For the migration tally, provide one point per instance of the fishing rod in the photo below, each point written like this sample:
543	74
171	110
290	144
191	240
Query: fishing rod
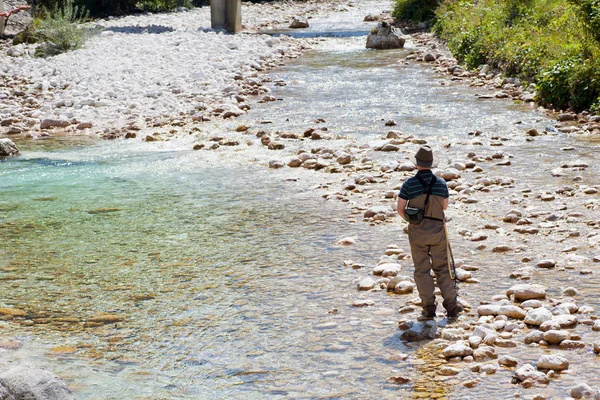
451	264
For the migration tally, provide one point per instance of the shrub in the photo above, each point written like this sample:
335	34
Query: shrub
60	29
415	10
542	41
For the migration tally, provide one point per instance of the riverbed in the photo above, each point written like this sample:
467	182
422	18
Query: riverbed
225	276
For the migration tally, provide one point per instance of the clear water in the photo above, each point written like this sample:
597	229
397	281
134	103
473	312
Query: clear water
225	271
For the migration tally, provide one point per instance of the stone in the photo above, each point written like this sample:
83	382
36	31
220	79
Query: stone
523	292
276	164
534	337
485	353
404	287
582	390
33	383
298	23
53	123
489	369
512	312
387	269
8	148
366	284
555	362
571	345
399	380
385	36
555	337
459	349
528	372
508	361
546	264
448	371
537	315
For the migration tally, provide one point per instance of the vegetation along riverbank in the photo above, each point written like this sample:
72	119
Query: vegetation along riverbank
551	44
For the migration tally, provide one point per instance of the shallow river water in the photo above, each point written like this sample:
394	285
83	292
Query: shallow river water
225	271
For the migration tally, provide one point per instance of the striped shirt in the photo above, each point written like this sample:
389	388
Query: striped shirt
412	187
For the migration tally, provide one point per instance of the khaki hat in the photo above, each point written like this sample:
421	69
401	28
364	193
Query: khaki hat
424	157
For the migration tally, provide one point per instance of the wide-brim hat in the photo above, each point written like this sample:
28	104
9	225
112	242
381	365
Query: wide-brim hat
424	157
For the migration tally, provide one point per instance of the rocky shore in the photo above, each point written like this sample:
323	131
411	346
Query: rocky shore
540	233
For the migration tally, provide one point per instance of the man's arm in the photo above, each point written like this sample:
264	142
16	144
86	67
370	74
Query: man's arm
445	204
401	206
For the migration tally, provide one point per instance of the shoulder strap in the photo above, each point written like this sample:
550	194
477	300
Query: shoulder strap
428	188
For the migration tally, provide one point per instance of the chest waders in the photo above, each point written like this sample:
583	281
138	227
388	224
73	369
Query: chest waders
451	263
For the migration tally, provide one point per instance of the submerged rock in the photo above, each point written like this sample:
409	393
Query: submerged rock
33	383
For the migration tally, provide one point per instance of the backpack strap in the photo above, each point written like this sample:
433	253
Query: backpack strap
428	189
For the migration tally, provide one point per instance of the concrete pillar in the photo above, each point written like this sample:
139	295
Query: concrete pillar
2	19
225	14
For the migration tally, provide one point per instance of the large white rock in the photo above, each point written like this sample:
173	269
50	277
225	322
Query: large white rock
385	37
537	316
387	269
555	362
522	292
366	284
583	390
511	311
33	383
458	349
555	337
527	371
8	148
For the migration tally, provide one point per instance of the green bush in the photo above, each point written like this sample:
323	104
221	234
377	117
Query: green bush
60	29
163	5
548	42
415	10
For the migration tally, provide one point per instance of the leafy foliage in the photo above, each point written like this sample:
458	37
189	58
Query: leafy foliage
60	29
415	10
549	42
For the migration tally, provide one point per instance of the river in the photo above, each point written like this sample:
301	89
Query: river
226	271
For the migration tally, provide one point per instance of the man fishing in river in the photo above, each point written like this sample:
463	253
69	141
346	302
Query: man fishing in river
421	202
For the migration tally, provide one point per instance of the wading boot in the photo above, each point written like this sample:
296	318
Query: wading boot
452	314
427	314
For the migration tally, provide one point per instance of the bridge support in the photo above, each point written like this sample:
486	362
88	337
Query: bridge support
225	15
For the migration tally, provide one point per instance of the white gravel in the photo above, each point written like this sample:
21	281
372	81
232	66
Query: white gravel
146	67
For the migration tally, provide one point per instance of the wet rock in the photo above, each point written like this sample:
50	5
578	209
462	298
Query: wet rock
512	311
347	241
8	148
420	331
363	303
546	264
366	284
458	349
399	380
379	210
596	346
528	372
34	384
507	361
571	345
53	123
555	337
485	353
537	315
583	390
276	164
523	292
387	269
534	337
554	362
404	287
448	371
294	163
488	369
298	23
565	320
385	36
